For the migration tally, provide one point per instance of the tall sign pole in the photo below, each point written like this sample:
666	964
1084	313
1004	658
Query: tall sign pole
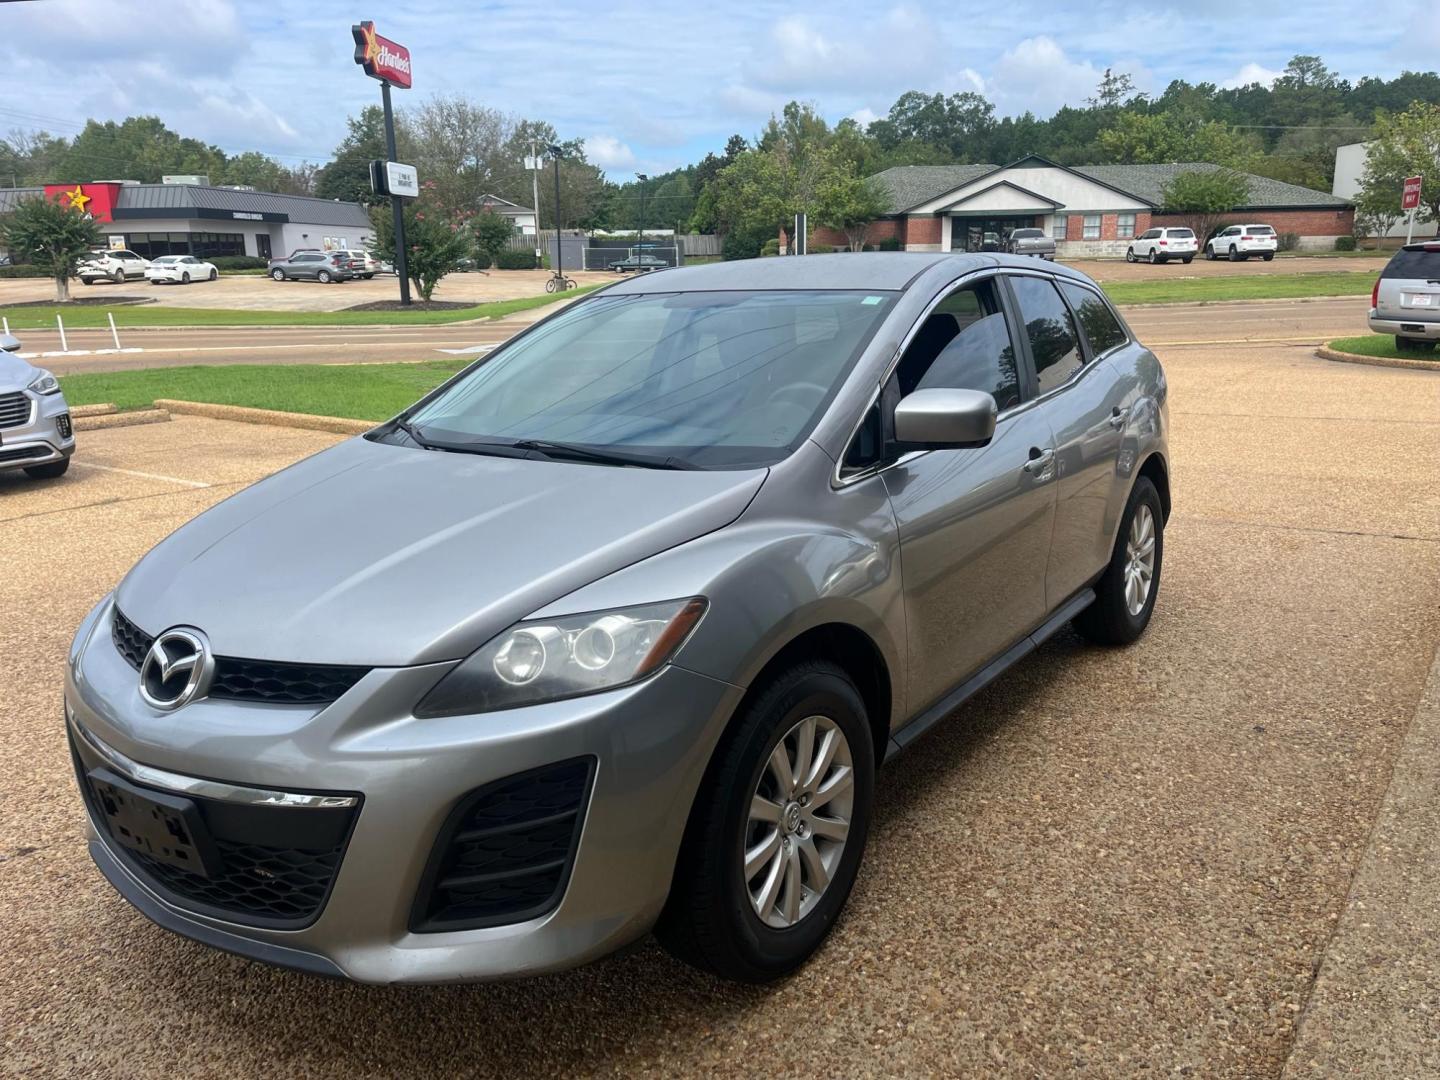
389	63
1410	200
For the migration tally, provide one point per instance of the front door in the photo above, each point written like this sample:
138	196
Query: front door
262	246
974	524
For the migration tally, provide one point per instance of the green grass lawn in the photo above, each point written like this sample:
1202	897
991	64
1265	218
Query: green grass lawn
32	318
357	391
1380	345
1248	287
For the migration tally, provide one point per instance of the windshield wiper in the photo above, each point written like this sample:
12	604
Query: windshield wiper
578	452
409	429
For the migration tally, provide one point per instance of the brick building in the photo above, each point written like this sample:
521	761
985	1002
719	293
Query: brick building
1089	209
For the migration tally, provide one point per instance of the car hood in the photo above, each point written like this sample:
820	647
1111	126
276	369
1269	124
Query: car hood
15	374
383	555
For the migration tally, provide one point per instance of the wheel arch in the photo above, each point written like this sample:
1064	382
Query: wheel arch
1158	473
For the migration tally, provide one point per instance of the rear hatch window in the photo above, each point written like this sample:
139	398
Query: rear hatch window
1421	264
1180	234
1260	230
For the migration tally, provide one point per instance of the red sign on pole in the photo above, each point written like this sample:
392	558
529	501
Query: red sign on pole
381	58
1410	198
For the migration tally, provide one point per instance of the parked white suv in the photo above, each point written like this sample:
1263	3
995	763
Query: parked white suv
1162	245
1239	242
114	266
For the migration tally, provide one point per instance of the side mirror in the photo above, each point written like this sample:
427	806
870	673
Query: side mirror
945	419
9	343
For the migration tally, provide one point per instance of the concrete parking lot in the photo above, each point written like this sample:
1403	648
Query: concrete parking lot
1112	863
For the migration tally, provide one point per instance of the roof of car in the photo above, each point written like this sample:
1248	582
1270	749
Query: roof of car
878	270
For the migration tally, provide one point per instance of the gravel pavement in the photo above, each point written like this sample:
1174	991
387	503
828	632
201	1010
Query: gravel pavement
1111	863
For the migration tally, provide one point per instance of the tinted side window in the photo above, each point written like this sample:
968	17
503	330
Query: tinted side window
964	345
1051	331
1098	322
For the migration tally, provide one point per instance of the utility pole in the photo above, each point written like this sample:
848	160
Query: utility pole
533	164
556	153
640	243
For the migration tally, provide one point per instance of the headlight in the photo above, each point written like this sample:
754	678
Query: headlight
44	383
549	659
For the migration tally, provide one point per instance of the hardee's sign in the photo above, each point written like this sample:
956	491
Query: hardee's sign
93	200
381	58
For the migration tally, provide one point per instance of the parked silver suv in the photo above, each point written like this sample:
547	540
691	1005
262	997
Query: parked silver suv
35	429
613	629
1405	300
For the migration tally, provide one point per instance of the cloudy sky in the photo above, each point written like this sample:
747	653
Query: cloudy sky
649	84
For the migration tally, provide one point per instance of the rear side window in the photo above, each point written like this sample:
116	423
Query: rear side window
1421	263
1053	341
1101	328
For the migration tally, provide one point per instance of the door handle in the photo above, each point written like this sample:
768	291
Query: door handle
1040	460
1118	416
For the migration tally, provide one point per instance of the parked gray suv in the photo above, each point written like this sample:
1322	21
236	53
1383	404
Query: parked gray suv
321	266
1406	298
612	630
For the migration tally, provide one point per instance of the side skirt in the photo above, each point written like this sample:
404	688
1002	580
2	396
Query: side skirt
921	724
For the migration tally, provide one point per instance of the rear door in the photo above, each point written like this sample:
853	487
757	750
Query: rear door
974	524
1410	285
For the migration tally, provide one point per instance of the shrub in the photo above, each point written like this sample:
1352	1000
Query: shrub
821	249
890	243
1344	243
739	245
29	270
237	262
1287	241
770	247
515	260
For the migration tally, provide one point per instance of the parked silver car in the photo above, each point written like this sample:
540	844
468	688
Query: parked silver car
35	429
321	266
612	630
1405	300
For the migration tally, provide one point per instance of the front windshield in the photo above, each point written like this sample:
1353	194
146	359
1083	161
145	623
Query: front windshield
713	379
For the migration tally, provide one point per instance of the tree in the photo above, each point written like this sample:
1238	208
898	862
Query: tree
54	234
347	176
492	233
1405	144
1114	88
435	241
461	147
850	203
1202	198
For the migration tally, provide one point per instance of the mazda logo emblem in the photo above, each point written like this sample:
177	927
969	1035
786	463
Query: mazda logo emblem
177	670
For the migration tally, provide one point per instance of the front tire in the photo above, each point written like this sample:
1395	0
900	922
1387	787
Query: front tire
1234	255
277	275
777	831
185	278
1125	594
1209	253
119	277
214	274
51	471
1130	254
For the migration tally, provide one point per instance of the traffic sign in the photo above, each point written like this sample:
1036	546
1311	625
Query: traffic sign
1410	197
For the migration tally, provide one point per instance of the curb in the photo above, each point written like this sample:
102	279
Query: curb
1327	353
92	410
104	421
336	425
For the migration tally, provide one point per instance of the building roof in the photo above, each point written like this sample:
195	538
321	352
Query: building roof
909	186
504	206
184	198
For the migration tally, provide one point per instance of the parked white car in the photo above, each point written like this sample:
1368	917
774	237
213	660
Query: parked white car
1162	245
114	266
1239	242
179	269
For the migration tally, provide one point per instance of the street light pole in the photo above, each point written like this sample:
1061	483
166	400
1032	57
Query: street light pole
640	243
534	166
555	154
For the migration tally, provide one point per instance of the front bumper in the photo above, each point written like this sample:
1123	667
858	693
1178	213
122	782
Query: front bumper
650	744
1421	329
43	438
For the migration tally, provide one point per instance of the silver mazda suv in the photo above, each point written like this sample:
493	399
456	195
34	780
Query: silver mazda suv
611	632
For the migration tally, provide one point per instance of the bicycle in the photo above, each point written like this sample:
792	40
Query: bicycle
559	283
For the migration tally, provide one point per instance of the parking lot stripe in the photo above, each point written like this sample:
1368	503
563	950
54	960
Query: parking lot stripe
143	475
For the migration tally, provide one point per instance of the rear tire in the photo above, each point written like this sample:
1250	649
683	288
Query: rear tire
1268	256
1413	345
50	471
1115	618
323	277
712	919
1187	259
1154	258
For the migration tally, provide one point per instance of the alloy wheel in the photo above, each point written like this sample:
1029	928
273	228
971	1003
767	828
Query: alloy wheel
1139	559
799	821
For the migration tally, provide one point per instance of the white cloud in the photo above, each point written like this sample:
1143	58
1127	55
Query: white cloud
1251	73
1037	75
803	56
608	152
864	117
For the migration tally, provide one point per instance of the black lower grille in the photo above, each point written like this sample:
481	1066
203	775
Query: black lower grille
24	453
505	852
62	425
251	680
276	864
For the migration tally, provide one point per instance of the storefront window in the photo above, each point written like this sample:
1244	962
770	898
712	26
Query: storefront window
203	245
211	245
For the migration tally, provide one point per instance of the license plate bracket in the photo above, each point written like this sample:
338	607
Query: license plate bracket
167	828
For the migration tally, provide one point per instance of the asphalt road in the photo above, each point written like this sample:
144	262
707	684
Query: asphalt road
1111	863
1292	322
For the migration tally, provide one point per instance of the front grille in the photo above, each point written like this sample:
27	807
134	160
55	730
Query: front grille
277	864
62	425
24	453
505	852
251	680
14	409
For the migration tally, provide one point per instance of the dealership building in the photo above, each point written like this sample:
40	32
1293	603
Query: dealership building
1088	209
205	221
